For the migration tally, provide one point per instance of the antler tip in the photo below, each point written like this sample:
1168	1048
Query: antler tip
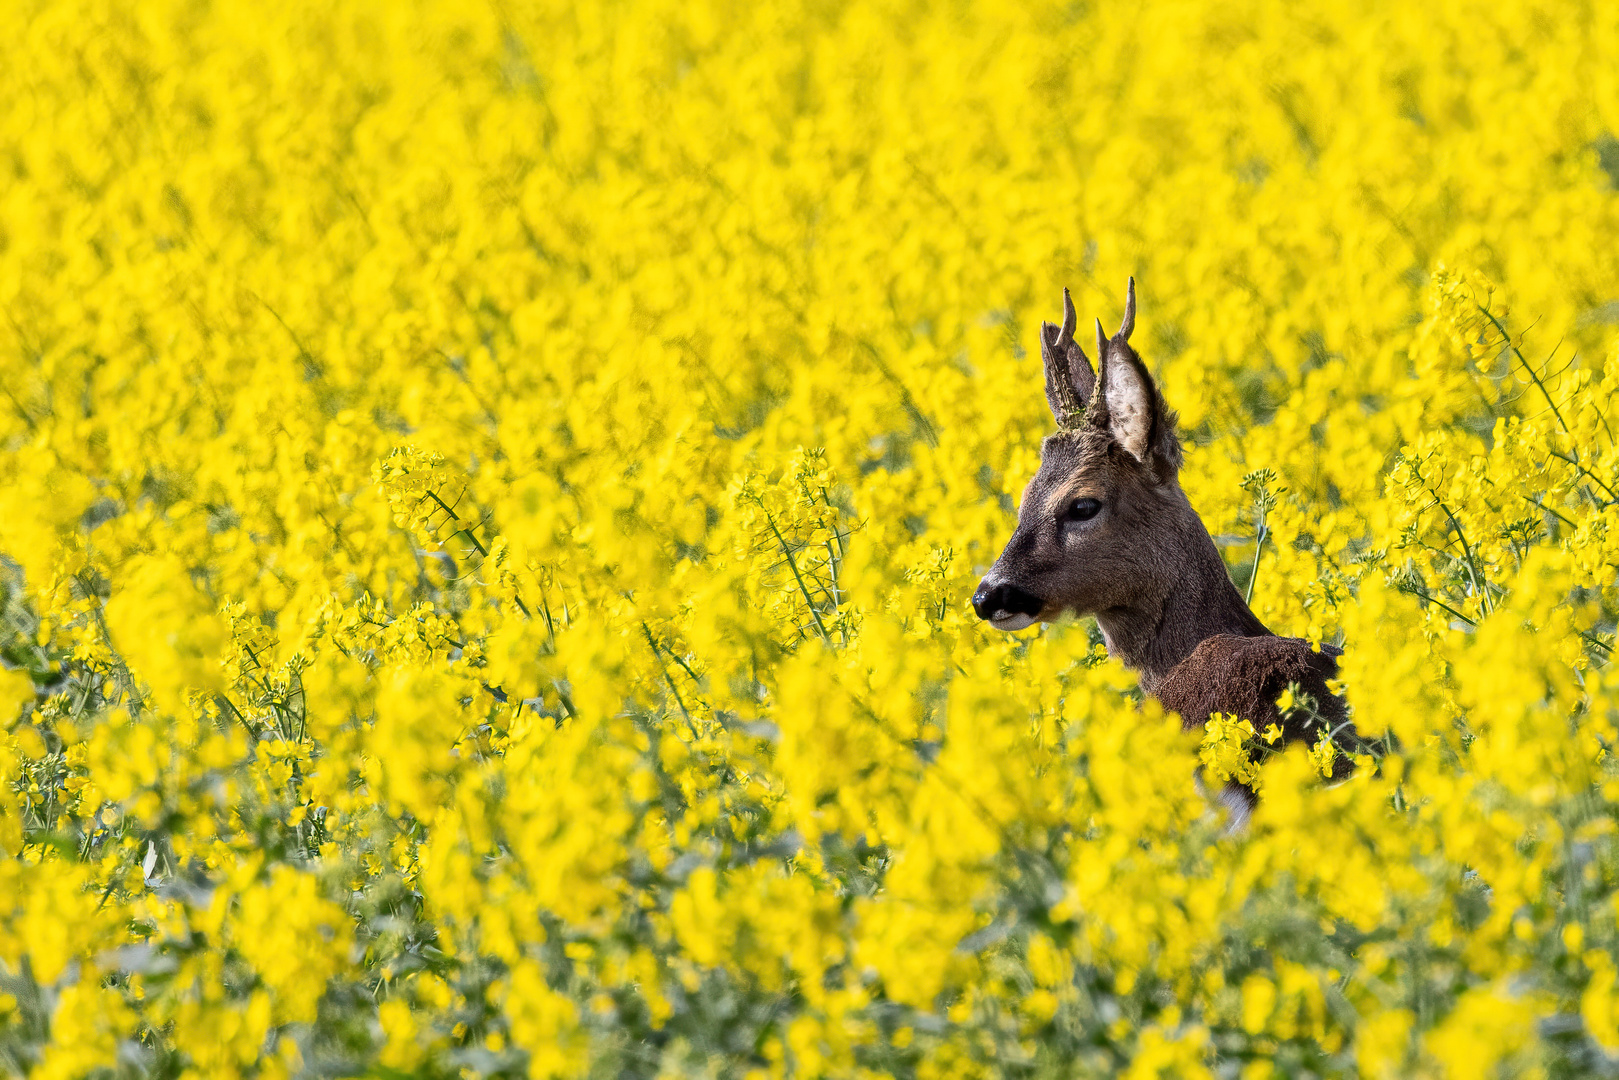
1070	320
1129	323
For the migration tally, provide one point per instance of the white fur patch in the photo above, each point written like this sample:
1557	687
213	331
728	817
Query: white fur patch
1235	800
1129	410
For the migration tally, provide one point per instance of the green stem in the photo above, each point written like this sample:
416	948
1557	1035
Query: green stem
1429	598
466	532
1574	461
1253	575
1516	352
792	564
657	654
1467	549
1549	510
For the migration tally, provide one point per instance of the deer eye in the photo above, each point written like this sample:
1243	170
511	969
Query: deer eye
1082	510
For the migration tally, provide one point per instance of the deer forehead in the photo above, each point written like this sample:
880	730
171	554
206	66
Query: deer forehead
1069	454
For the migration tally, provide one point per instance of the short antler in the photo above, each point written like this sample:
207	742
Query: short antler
1070	321
1129	322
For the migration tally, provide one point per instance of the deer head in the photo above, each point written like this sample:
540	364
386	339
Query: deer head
1104	528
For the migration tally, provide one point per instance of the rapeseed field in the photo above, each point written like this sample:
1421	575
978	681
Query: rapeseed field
490	492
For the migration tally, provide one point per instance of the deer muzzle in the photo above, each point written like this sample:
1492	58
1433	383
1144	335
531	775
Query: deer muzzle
1005	606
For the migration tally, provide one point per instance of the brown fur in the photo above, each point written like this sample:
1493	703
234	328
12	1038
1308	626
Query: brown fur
1243	676
1142	562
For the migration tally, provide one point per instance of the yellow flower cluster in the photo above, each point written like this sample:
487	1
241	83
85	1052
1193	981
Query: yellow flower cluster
489	496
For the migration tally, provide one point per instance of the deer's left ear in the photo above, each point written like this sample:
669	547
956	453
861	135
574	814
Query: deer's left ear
1070	381
1133	410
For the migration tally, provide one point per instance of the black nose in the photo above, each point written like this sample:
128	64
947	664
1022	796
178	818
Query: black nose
991	599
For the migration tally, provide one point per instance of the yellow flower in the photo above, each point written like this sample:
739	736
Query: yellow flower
1226	752
1323	754
490	496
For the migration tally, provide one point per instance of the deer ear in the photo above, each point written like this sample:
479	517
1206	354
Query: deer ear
1132	400
1070	380
1133	410
1079	365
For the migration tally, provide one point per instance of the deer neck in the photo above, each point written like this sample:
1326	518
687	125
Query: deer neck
1194	601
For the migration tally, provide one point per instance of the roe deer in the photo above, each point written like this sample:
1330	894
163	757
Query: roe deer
1105	530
